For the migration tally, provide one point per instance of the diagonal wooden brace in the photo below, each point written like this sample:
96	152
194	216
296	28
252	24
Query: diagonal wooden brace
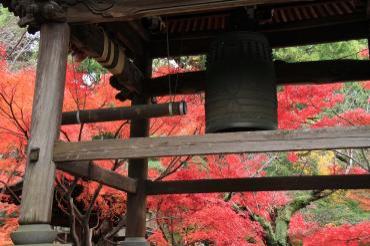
89	170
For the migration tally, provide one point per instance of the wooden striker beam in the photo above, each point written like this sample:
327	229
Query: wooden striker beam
220	143
124	113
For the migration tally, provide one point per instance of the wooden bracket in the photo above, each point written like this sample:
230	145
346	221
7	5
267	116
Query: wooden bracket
33	13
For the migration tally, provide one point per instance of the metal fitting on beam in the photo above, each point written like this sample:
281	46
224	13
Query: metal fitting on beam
34	155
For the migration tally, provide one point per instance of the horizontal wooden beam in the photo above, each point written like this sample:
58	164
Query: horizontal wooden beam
124	113
315	72
184	83
259	184
134	9
95	173
322	72
220	143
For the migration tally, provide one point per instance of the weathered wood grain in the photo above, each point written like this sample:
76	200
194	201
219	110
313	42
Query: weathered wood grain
37	195
259	184
221	143
138	169
134	9
317	72
93	172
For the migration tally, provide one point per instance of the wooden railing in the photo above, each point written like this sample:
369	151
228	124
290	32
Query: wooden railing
223	143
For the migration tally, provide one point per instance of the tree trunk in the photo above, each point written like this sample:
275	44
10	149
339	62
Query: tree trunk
276	233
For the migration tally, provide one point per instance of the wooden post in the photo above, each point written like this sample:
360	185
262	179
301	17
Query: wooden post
136	203
38	188
368	26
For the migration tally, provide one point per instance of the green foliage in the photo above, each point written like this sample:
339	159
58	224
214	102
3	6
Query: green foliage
5	17
282	167
93	69
21	47
337	211
329	51
356	97
103	136
183	62
155	164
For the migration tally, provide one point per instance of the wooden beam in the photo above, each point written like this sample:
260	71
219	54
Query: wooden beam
322	72
368	25
317	35
94	42
134	9
316	72
46	116
259	184
185	83
93	172
221	143
124	113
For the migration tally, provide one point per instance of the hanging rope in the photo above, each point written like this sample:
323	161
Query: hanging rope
177	74
168	62
76	90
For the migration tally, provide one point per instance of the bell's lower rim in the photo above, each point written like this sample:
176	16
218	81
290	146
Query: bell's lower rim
241	127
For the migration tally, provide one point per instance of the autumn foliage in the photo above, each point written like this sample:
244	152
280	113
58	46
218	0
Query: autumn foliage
211	219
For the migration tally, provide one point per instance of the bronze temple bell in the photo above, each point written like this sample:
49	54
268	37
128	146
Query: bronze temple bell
241	85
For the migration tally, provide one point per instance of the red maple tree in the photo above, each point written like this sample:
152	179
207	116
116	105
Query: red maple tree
219	219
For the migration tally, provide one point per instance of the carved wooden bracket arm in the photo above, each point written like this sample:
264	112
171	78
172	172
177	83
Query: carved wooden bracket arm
33	13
